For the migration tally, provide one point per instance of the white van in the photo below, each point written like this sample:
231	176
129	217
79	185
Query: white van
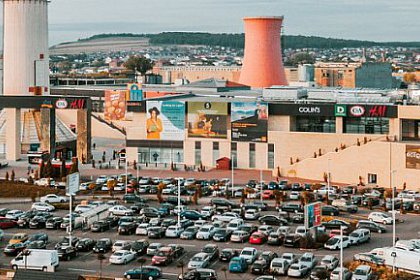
279	266
34	259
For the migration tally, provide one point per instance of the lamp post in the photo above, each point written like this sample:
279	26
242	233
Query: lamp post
232	168
261	184
328	181
393	206
341	252
179	202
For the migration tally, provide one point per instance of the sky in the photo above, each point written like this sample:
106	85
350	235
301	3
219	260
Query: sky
376	20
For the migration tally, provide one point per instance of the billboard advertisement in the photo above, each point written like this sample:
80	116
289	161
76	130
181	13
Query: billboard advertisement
249	121
313	215
165	120
207	119
412	157
115	105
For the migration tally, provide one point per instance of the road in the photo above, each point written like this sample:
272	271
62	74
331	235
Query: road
87	263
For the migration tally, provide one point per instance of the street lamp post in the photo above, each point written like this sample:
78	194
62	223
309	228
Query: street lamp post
393	206
179	202
232	168
328	181
341	252
261	184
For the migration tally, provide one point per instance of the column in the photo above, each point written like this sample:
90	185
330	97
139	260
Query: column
13	138
84	135
47	127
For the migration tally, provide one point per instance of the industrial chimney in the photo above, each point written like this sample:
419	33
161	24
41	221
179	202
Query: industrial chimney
25	68
263	63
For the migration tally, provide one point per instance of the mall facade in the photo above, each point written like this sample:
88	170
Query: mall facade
357	136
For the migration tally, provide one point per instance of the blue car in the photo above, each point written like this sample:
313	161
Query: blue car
238	264
144	273
192	215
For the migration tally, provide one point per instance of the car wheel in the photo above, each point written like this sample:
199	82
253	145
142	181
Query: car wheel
384	222
371	219
62	201
332	214
44	269
125	262
379	231
14	267
47	201
68	258
128	276
150	278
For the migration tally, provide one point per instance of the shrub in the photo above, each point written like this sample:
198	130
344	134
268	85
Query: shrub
307	242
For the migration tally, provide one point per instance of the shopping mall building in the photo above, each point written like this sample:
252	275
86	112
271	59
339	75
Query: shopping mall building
356	135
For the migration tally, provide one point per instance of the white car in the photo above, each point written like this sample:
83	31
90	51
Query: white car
199	260
153	249
334	243
121	245
266	229
119	210
308	260
207	211
330	262
297	270
189	182
234	225
179	209
285	230
206	232
335	274
294	195
14	214
324	190
142	229
122	257
289	257
40	206
1	235
83	208
174	231
301	230
85	186
226	217
380	217
360	235
44	182
53	198
119	187
252	214
362	272
102	179
249	254
200	223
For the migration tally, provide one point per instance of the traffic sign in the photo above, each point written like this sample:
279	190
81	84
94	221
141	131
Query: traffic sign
72	184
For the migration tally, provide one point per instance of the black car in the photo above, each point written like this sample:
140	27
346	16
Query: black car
23	221
37	244
373	201
127	228
53	223
292	240
298	218
211	250
112	221
174	200
136	207
3	211
272	220
291	208
223	202
14	249
275	239
259	267
335	224
65	242
168	222
156	232
100	226
85	244
222	235
330	211
131	198
151	212
177	250
227	254
103	245
37	222
408	205
140	247
66	253
372	226
192	215
319	272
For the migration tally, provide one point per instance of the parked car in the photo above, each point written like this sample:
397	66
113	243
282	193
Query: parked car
238	265
174	231
330	262
67	253
320	272
14	249
297	270
164	256
335	274
362	272
53	223
40	206
239	236
122	257
189	233
212	251
258	238
100	226
369	258
85	244
206	232
292	240
334	243
345	205
272	220
359	236
53	198
330	211
156	232
291	208
249	254
227	254
199	260
199	274
372	226
379	217
119	210
103	245
145	272
221	235
14	214
308	260
279	266
139	247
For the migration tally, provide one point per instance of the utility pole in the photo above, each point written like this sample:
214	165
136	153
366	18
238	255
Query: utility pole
341	253
179	202
261	184
393	207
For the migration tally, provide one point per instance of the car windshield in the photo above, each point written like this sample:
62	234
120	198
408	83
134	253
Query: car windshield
360	272
247	253
197	259
118	254
208	250
332	241
306	259
294	266
190	230
205	230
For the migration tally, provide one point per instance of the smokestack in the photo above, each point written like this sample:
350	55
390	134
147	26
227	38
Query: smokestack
26	56
263	62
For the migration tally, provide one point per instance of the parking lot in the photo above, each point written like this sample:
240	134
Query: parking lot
87	263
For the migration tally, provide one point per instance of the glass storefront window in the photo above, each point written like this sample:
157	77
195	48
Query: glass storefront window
160	155
366	125
410	130
314	124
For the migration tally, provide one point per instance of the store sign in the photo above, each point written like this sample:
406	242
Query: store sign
412	157
357	111
340	111
377	111
61	104
302	110
309	110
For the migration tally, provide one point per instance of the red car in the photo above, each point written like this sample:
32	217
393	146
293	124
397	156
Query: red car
268	194
164	256
6	223
258	238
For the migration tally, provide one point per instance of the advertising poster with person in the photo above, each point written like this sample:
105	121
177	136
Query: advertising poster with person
412	157
165	120
115	105
207	119
249	121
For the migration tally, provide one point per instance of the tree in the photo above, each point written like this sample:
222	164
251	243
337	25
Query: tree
63	170
75	166
139	63
12	177
41	169
49	171
7	176
301	58
409	78
161	186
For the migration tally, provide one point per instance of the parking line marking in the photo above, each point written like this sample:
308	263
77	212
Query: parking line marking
187	245
170	274
82	270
